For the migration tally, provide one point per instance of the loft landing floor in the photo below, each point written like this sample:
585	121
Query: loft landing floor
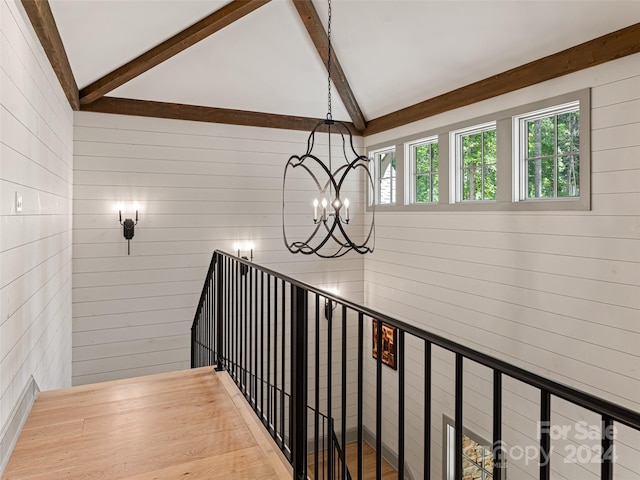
190	424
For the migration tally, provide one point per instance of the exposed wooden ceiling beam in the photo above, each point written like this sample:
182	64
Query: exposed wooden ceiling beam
318	35
178	111
167	49
39	13
603	49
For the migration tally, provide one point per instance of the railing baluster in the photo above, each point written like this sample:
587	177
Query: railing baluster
194	347
317	388
243	328
256	340
606	468
262	359
298	404
275	358
378	400
209	330
497	425
330	454
459	419
282	360
427	410
269	413
344	392
401	403
360	389
248	357
227	314
545	435
237	322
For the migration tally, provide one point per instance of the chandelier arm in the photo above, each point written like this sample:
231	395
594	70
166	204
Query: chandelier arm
300	164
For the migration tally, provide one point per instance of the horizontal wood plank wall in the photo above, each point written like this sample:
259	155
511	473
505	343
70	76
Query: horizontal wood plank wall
556	293
35	244
199	187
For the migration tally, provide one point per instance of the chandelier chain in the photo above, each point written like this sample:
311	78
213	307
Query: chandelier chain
329	62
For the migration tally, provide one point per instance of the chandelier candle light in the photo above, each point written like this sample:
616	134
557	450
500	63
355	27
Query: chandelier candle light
330	216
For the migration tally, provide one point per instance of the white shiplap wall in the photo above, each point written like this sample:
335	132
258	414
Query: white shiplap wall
557	293
199	187
36	134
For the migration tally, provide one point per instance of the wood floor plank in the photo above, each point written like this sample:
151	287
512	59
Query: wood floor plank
163	426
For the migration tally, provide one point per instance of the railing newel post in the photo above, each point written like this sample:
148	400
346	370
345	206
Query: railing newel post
299	360
219	315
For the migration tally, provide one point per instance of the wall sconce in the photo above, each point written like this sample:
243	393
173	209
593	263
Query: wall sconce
128	229
329	306
246	248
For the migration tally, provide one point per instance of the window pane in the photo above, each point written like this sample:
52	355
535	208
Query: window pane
386	162
478	165
423	189
553	166
423	158
435	187
489	182
541	137
568	133
569	176
385	190
466	186
472	186
490	146
541	178
472	150
434	157
470	471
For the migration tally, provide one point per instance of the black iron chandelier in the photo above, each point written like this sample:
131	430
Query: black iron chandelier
330	235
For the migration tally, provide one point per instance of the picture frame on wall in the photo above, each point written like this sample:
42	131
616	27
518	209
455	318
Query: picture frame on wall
389	344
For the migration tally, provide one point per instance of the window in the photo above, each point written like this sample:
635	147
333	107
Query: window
385	170
533	157
475	161
424	171
549	153
477	455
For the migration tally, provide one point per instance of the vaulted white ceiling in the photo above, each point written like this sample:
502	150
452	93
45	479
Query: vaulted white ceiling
394	53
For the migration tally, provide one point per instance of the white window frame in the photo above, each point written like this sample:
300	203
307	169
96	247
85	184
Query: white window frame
520	144
373	155
449	446
412	177
455	161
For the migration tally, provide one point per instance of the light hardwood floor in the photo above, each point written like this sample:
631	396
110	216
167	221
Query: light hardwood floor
368	464
190	424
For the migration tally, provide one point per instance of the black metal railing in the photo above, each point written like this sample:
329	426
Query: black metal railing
265	330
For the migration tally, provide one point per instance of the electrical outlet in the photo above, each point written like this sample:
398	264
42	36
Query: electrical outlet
18	202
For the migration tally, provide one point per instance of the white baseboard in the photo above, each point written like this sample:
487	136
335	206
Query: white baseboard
11	431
